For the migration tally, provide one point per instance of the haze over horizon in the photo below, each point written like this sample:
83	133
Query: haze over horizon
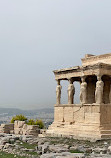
37	37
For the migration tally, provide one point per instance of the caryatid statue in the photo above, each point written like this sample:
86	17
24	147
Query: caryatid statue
83	91
71	92
99	90
58	92
110	94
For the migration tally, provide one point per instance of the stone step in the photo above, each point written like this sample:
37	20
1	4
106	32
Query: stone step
106	136
105	131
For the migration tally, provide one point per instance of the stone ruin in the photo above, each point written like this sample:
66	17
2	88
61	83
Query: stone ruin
91	118
20	127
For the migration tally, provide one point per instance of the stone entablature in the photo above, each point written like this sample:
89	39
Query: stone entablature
93	114
79	71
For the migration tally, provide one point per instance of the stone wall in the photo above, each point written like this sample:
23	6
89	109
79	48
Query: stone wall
6	128
77	113
20	127
88	121
78	121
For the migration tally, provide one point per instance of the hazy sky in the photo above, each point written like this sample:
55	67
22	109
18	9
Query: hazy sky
38	36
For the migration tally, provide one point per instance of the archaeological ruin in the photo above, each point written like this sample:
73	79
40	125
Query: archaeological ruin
20	128
91	118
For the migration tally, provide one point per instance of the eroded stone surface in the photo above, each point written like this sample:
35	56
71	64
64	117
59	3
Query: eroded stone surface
54	147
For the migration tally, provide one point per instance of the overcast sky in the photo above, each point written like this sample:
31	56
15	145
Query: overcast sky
38	36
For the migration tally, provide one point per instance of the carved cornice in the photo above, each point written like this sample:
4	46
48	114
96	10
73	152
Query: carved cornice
83	68
71	69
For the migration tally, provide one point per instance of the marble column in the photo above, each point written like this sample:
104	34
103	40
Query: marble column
71	92
58	92
99	90
83	91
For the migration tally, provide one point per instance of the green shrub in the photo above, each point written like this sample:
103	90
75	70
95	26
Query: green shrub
19	118
40	123
37	122
31	122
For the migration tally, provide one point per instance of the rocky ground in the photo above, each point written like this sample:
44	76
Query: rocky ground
18	146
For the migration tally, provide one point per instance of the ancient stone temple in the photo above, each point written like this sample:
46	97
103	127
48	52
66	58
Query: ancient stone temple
91	118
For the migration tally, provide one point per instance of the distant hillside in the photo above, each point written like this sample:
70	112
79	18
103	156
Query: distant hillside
14	111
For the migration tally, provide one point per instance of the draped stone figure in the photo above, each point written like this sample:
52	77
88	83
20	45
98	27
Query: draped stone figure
110	95
58	93
71	92
99	91
83	93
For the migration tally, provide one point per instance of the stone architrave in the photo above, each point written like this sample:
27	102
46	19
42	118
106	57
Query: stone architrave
71	92
58	93
83	92
99	91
